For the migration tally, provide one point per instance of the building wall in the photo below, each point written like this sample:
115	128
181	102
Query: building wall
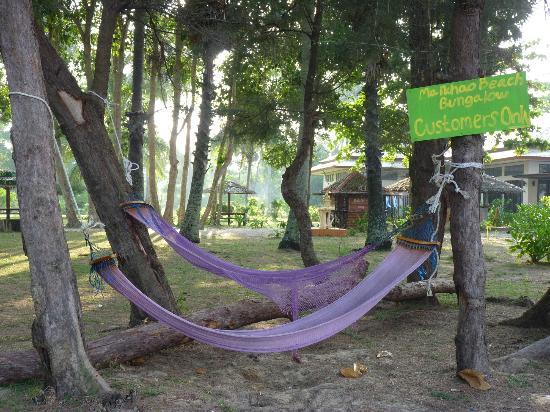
510	167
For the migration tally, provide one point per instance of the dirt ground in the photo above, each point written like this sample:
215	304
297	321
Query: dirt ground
418	376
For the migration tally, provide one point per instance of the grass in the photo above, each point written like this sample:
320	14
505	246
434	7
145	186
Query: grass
195	289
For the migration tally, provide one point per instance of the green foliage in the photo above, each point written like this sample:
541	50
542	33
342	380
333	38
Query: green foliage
497	215
256	216
314	214
361	225
397	221
278	206
530	230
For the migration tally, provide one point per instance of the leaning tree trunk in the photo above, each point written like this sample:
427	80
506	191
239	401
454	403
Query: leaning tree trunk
118	77
291	237
191	220
177	81
56	329
136	116
421	167
185	167
469	265
289	186
537	316
151	130
81	116
225	155
524	358
377	227
71	208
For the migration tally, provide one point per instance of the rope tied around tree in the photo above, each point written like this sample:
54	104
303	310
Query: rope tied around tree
441	180
128	165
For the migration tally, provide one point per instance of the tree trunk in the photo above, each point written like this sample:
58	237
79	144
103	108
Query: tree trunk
421	167
377	227
225	155
71	208
191	220
151	130
185	169
177	80
289	186
136	116
142	340
469	265
537	316
56	328
118	77
291	237
81	116
523	358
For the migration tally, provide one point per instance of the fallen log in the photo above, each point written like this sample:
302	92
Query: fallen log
416	290
139	341
123	346
517	361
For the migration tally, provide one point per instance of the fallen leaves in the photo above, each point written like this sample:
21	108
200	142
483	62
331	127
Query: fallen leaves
474	378
384	354
200	371
357	371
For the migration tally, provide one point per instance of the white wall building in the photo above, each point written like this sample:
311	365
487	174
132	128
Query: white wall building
531	171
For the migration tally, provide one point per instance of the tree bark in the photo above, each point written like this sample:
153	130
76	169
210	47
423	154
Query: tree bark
136	116
469	265
118	77
377	226
520	360
291	237
177	81
142	340
151	130
421	167
81	119
186	155
71	208
191	220
57	327
537	316
289	187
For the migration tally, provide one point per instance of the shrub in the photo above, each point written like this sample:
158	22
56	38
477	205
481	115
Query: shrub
530	230
497	215
361	225
314	214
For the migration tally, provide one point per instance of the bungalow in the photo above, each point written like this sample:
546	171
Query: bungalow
530	170
333	169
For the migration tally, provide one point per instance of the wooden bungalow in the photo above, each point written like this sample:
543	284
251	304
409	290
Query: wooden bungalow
348	199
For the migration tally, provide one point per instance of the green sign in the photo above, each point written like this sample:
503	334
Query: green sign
469	107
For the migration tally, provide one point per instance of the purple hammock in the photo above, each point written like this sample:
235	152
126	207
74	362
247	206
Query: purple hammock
302	332
293	291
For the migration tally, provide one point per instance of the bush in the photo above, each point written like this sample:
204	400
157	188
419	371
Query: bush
314	214
361	225
530	230
497	215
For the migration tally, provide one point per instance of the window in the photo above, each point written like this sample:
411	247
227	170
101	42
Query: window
513	170
494	171
544	168
544	189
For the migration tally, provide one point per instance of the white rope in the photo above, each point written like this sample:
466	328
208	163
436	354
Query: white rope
128	165
85	227
441	180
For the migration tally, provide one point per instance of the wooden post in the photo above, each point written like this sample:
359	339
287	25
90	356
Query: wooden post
228	209
8	207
